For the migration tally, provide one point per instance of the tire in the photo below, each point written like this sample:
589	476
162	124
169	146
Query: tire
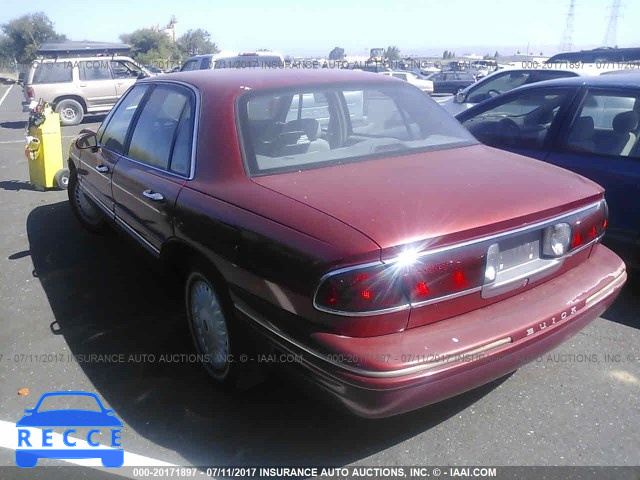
214	332
84	209
70	111
62	179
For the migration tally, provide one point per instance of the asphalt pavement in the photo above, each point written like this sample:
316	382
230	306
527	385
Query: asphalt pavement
67	294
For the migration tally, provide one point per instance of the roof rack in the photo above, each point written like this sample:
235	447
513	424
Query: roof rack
70	48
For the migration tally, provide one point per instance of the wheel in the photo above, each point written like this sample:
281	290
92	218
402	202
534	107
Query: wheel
70	111
85	210
62	179
212	327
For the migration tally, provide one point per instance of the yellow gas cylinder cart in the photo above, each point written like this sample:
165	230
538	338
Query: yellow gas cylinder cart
44	149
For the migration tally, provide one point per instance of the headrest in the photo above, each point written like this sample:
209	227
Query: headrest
309	126
626	122
583	129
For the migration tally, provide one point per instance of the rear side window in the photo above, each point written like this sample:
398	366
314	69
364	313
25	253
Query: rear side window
607	124
114	133
165	121
53	72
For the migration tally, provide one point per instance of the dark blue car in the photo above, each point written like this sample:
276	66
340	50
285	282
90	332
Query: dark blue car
590	125
100	417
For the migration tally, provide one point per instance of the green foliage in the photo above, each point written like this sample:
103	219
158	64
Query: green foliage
196	42
336	54
445	54
151	47
392	53
23	35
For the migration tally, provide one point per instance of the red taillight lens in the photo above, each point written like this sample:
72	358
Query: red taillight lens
365	289
588	226
30	92
401	283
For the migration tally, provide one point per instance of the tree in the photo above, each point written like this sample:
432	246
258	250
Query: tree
445	54
496	55
151	46
336	54
392	53
25	34
196	42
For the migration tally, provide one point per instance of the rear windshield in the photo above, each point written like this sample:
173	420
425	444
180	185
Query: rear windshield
249	61
53	72
314	127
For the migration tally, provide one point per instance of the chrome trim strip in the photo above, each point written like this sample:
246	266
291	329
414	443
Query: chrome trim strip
145	243
446	297
408	305
248	312
606	291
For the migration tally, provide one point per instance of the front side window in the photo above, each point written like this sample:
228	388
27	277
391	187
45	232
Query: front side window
53	72
522	121
607	124
190	65
112	135
124	69
316	127
94	70
497	84
167	109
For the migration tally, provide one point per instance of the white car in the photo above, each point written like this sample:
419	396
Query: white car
414	79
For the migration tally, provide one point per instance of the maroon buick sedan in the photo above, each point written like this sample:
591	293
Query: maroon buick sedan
344	220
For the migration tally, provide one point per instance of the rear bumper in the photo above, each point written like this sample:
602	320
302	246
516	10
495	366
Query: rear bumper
386	375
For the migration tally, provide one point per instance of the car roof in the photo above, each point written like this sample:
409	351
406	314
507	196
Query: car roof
631	80
236	80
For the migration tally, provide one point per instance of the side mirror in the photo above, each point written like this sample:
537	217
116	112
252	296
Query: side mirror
142	74
87	140
459	97
28	411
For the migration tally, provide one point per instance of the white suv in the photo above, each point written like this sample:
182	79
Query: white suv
80	85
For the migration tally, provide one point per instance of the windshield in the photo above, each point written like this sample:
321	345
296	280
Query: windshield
314	127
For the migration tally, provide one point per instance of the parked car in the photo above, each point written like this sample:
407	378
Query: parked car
396	259
414	79
499	82
590	125
450	81
234	60
80	85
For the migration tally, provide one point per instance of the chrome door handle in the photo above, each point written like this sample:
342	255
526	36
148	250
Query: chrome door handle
102	168
156	197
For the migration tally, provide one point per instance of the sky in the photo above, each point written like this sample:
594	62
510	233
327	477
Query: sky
313	28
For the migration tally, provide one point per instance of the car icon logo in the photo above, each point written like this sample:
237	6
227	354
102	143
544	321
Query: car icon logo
32	447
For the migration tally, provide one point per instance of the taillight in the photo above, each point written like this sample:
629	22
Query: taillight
30	92
402	282
588	226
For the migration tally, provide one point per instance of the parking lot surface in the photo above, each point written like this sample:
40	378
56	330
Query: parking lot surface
67	295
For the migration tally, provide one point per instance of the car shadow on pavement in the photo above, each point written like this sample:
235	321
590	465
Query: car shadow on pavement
108	298
21	125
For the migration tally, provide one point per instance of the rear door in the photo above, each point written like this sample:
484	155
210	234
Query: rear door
96	167
602	142
156	164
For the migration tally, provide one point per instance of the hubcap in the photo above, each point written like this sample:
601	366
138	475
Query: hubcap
209	326
87	209
68	113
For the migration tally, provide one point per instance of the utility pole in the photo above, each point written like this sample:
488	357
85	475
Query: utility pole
567	39
611	35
